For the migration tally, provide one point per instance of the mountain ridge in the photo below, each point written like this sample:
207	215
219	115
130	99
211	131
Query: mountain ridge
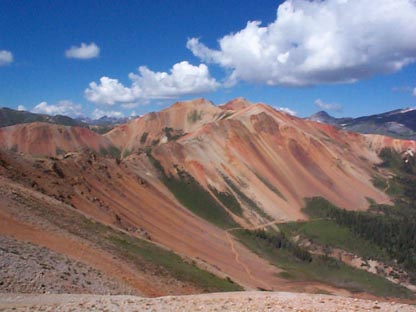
10	117
398	123
199	175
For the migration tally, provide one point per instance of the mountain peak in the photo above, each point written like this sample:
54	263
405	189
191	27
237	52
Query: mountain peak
321	114
236	104
323	117
196	103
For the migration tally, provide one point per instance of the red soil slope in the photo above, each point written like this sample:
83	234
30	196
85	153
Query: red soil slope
49	139
181	117
246	150
277	160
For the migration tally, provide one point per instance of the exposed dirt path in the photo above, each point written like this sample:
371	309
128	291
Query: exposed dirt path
237	255
237	260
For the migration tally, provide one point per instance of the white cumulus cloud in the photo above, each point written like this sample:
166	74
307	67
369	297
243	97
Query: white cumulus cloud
6	57
84	51
286	110
328	106
314	42
66	108
109	91
183	79
21	108
97	114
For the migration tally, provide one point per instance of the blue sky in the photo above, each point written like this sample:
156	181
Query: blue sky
350	57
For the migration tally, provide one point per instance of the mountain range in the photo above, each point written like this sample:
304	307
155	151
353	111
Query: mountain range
400	123
10	117
194	198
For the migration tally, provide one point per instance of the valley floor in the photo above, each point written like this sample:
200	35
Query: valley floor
234	301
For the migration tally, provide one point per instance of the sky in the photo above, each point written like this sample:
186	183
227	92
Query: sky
122	58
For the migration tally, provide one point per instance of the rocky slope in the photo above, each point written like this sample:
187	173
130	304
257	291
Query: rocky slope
248	301
54	272
274	158
186	178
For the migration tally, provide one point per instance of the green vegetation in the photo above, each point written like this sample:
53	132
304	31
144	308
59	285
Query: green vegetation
393	230
225	115
143	254
137	249
143	138
58	171
194	197
244	198
172	134
300	265
110	151
229	201
147	255
194	116
272	242
383	232
168	132
379	182
270	186
127	152
102	129
391	160
329	233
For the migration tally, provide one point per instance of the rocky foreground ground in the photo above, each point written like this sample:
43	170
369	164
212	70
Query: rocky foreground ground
238	301
28	268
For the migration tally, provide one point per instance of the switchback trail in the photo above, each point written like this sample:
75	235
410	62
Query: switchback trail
237	255
245	267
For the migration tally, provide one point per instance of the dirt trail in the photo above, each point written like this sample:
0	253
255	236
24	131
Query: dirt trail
237	255
245	267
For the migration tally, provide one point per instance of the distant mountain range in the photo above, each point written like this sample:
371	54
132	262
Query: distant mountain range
105	120
400	123
10	117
